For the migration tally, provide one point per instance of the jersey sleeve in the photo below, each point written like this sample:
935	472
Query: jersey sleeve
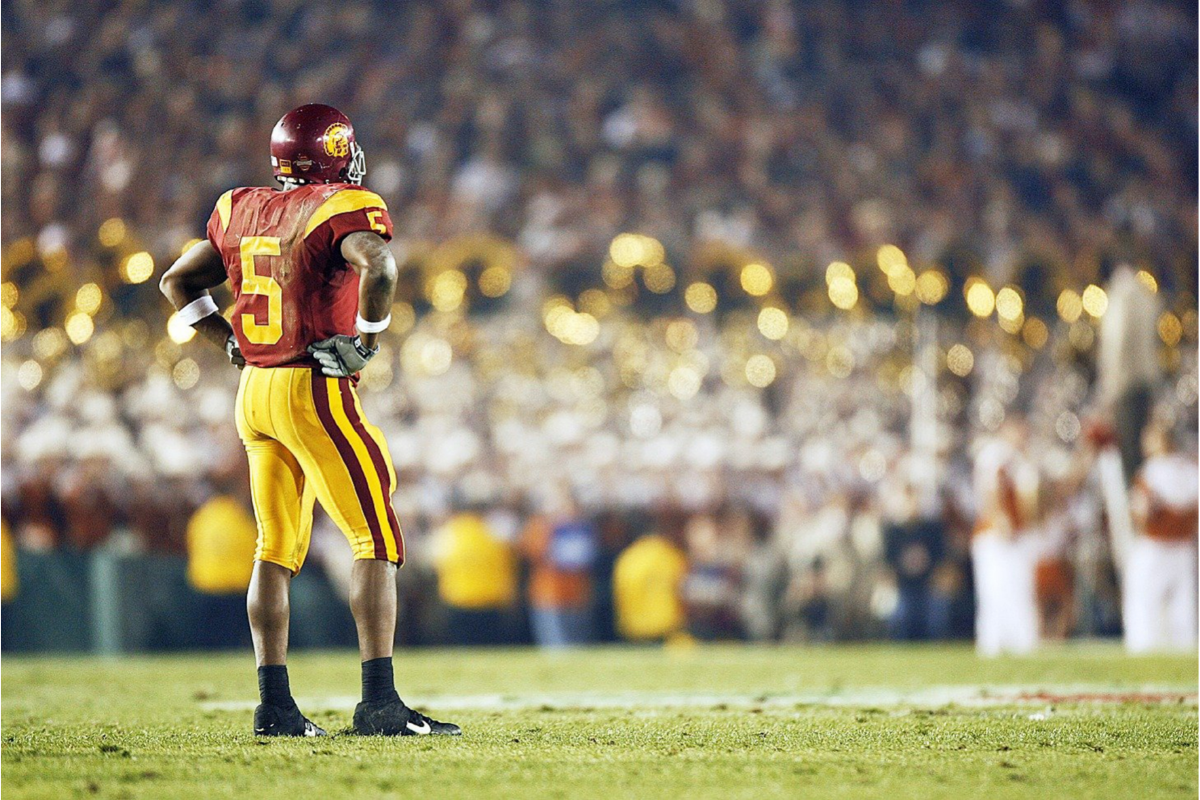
344	212
218	221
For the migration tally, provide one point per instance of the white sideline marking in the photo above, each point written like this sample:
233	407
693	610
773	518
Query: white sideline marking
866	697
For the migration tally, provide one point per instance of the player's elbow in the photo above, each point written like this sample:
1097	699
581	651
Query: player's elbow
381	270
168	284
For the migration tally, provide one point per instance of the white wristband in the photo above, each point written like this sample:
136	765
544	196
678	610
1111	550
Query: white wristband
366	326
197	310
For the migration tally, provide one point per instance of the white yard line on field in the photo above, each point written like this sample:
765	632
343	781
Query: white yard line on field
865	697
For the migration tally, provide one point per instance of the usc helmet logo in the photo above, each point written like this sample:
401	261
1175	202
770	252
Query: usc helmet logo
337	140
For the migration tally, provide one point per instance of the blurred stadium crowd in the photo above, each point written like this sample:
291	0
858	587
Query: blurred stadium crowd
744	282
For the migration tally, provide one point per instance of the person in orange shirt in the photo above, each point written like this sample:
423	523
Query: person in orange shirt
561	550
1159	587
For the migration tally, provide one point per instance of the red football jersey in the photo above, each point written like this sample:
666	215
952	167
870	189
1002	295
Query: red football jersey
282	252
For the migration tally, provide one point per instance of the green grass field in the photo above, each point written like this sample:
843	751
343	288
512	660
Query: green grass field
727	722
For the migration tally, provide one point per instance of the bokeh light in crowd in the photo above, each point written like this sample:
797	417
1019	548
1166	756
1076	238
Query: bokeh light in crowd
185	373
932	286
423	354
1070	305
615	275
1170	329
9	294
681	335
137	268
773	323
1095	301
79	327
1148	280
446	290
632	250
891	260
495	281
1035	333
112	232
49	343
843	292
403	317
659	278
89	298
960	360
981	301
188	245
902	281
760	370
839	270
179	331
684	382
29	375
1081	335
12	324
757	279
1009	305
700	297
839	361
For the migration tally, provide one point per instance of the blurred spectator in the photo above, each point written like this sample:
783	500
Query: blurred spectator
647	584
561	548
477	578
765	579
1003	552
9	582
712	589
1128	361
914	546
1160	576
221	538
613	529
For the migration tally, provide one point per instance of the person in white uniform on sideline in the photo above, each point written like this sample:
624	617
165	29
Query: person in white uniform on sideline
1004	548
1159	591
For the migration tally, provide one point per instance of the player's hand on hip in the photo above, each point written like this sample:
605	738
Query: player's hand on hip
341	356
234	352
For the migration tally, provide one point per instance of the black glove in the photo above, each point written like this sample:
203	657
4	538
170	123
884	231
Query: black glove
341	356
234	352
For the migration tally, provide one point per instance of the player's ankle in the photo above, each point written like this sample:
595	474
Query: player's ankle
273	686
378	681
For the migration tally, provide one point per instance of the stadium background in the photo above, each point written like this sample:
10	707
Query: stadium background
755	275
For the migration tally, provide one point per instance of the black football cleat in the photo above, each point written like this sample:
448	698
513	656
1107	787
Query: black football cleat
393	718
277	721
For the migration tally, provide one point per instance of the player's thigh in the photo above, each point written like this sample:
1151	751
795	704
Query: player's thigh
348	467
283	518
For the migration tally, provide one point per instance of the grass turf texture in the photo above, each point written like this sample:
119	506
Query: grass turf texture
145	727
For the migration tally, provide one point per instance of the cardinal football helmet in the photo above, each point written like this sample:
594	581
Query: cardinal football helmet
315	144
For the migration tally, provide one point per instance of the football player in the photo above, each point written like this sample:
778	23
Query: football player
312	281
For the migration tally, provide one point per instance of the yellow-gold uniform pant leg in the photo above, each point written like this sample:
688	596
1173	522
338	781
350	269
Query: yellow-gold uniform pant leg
283	497
278	488
344	460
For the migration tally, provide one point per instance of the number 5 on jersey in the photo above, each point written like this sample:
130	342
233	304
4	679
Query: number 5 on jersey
254	283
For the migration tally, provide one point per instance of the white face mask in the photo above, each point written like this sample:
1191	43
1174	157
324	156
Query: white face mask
357	169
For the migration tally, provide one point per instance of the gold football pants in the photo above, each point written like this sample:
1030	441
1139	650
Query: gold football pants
307	439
